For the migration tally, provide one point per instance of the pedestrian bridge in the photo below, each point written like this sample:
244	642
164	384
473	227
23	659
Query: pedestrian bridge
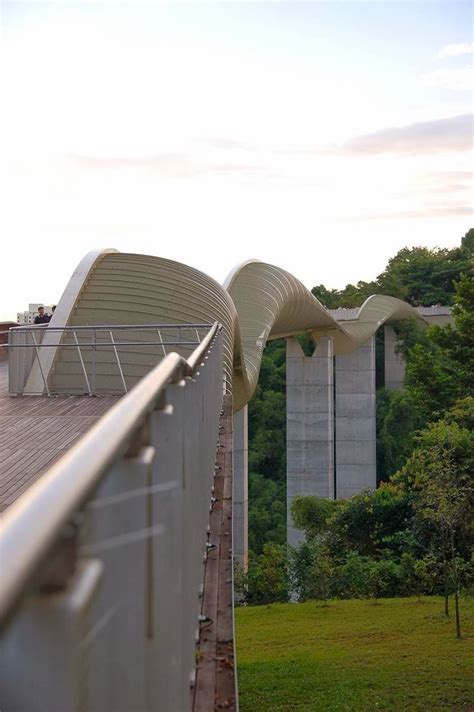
116	479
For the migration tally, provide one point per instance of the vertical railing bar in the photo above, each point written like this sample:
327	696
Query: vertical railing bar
161	342
197	336
33	336
94	358
74	333
118	362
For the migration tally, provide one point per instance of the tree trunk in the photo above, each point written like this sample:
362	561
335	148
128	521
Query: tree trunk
445	576
458	622
456	587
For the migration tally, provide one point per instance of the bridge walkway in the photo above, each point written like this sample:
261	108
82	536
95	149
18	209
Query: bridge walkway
35	431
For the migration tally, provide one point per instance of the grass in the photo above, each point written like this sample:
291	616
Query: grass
354	656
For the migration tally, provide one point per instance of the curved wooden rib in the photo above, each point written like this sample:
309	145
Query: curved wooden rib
257	303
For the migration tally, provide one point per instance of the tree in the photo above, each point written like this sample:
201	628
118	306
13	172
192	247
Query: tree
419	575
384	579
467	242
457	343
310	514
267	512
352	576
418	275
367	522
267	577
440	370
311	571
422	276
441	472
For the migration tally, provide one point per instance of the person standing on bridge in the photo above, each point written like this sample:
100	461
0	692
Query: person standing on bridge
42	318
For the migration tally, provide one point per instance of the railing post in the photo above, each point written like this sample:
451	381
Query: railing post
88	385
118	362
33	336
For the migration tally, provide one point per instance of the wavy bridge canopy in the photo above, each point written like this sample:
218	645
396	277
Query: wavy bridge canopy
257	303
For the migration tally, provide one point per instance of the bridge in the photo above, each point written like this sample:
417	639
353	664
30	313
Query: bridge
123	479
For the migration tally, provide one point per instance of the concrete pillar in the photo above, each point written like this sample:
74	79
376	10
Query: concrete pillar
355	421
310	425
394	363
240	486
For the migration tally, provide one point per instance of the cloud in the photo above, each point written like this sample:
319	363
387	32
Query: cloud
446	181
436	211
460	79
229	144
168	165
443	135
456	49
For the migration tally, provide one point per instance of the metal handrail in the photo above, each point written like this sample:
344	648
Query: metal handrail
106	327
103	343
35	521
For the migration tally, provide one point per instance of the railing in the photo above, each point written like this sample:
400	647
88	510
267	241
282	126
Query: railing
92	359
102	558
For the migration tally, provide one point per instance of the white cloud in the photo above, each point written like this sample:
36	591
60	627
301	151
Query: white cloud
452	134
460	79
456	49
210	155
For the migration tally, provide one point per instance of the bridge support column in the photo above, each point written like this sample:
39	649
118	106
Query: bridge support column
310	425
355	421
240	495
394	363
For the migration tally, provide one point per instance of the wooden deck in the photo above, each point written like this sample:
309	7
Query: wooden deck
35	431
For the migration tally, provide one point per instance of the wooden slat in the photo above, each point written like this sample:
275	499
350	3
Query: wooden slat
35	431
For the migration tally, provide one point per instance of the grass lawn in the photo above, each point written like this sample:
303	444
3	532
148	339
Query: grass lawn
353	655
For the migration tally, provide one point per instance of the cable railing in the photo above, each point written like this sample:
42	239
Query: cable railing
91	360
102	558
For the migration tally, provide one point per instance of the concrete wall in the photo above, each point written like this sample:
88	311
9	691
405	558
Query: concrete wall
355	421
310	425
240	487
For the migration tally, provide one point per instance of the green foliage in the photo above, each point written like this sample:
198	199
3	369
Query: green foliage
443	461
409	333
267	416
384	578
311	514
440	370
267	512
368	522
457	343
393	541
351	577
467	242
417	275
349	297
267	452
420	576
267	578
311	571
422	276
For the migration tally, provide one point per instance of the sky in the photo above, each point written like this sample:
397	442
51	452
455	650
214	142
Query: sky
318	136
